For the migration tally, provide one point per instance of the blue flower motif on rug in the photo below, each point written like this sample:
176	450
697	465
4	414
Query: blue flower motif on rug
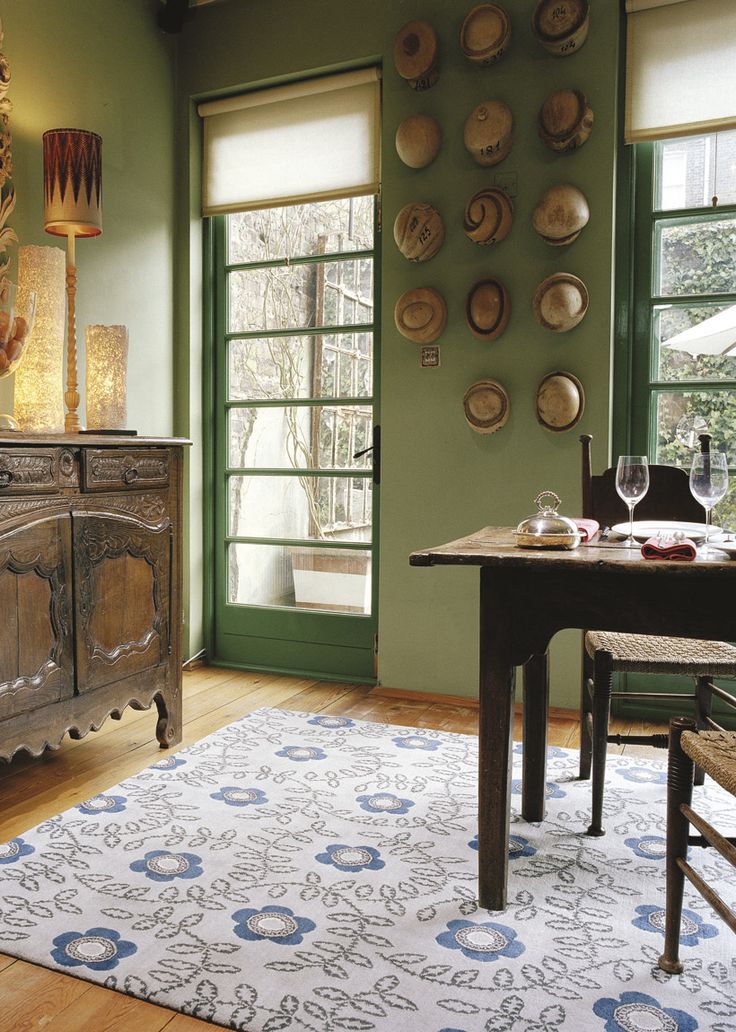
551	789
102	804
643	775
383	802
416	742
486	941
352	858
14	850
553	751
99	949
692	928
235	796
518	846
277	924
636	1012
648	847
168	763
332	722
162	866
302	753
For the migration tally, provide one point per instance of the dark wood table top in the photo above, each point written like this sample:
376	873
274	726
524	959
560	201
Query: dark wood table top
496	546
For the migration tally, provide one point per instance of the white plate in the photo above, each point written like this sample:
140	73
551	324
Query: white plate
729	547
644	529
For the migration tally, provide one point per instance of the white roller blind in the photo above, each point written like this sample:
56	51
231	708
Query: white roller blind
680	68
292	144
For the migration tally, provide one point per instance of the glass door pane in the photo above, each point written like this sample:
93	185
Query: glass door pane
296	403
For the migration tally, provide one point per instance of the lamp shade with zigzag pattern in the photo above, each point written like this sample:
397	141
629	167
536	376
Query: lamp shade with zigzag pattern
72	182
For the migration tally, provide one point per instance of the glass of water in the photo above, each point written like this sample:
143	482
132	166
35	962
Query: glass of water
709	484
632	483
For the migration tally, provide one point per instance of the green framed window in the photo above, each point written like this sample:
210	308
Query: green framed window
683	363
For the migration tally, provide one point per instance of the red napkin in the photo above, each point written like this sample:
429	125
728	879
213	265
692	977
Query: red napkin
667	548
588	528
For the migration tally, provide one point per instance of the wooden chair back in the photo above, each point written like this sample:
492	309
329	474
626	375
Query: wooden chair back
668	497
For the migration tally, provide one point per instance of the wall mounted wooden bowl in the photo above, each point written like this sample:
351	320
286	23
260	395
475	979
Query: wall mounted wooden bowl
419	231
560	302
485	33
560	402
561	26
418	140
486	406
421	315
416	54
489	216
487	309
560	214
488	132
565	120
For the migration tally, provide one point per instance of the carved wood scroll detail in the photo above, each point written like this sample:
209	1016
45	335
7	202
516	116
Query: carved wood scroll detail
23	470
112	470
102	539
23	506
69	468
152	508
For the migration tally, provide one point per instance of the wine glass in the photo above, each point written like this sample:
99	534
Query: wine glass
632	483
708	484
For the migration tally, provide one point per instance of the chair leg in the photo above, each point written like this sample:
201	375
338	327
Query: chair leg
703	707
602	685
586	715
679	791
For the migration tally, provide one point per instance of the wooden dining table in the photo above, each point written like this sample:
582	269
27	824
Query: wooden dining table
526	597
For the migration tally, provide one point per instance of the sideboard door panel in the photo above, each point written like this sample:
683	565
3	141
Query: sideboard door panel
36	652
122	598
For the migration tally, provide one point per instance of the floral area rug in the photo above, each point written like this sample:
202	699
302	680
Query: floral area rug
315	873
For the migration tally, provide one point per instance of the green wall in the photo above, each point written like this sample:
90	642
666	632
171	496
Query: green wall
441	480
103	65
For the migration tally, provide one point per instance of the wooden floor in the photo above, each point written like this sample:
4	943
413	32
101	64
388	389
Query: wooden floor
32	790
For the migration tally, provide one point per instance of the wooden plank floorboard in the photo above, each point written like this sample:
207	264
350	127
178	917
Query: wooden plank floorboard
100	1010
35	789
31	996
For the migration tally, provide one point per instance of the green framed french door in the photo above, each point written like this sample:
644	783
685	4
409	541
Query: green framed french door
296	439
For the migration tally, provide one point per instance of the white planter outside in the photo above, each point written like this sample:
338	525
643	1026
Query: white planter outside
327	579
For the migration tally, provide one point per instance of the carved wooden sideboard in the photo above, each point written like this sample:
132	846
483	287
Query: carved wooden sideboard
90	585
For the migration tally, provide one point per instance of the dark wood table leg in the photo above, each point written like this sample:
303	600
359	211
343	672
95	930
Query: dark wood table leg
534	761
497	679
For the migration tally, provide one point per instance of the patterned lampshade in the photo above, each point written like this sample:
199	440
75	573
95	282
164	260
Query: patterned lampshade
72	182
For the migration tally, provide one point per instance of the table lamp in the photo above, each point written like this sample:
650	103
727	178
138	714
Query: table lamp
39	391
72	182
107	364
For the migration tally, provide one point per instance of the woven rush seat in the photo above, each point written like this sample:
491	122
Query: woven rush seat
640	653
715	752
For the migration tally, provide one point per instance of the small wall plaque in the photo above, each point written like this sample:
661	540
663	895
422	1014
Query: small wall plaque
430	356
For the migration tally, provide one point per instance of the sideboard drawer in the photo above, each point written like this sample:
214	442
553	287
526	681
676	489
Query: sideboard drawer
113	469
29	471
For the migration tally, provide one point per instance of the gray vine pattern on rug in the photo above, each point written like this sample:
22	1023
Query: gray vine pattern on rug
317	873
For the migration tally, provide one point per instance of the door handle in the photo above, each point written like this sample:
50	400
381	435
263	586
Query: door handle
376	449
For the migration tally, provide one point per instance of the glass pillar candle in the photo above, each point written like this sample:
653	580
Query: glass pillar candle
107	367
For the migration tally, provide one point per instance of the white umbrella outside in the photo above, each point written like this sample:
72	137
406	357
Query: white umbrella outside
714	336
